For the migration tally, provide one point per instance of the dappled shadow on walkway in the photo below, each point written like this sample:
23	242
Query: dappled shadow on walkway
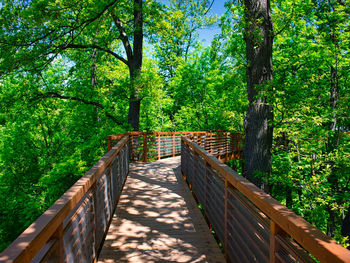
157	220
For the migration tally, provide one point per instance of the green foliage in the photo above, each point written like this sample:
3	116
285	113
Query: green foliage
54	119
183	19
203	94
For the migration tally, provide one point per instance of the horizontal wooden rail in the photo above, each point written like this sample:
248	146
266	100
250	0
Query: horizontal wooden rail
251	224
145	146
72	229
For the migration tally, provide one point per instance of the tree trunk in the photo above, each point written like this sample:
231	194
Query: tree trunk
134	112
258	127
345	229
135	65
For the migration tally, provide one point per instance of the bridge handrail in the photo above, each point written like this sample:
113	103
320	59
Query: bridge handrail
44	237
147	146
283	223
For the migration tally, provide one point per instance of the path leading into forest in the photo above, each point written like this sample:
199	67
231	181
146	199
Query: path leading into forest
157	219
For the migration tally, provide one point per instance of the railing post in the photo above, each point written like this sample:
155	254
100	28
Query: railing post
158	147
219	145
58	235
274	245
145	147
226	143
109	143
173	140
210	142
231	151
238	142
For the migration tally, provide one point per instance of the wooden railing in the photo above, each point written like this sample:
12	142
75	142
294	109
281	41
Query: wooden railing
73	228
252	226
148	146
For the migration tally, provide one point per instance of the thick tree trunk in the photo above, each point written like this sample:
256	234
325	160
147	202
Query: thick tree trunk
135	65
258	127
134	112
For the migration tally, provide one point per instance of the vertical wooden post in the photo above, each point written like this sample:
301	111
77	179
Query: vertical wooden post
226	220
145	147
58	235
238	142
226	143
173	139
158	148
231	151
210	142
109	143
274	246
239	154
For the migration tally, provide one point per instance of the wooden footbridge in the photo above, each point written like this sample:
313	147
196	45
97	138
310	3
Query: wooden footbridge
139	203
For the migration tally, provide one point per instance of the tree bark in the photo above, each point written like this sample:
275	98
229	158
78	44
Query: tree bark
135	65
345	229
258	127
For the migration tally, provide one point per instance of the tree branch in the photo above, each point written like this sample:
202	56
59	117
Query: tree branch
51	94
205	13
93	46
287	24
122	35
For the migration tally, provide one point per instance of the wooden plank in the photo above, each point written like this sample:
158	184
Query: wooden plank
313	240
109	143
157	220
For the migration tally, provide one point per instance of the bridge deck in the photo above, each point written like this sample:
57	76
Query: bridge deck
157	219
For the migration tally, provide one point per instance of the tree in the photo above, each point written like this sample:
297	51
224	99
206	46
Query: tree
332	16
258	123
46	144
35	33
309	172
183	19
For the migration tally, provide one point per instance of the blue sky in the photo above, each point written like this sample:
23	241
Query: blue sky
207	34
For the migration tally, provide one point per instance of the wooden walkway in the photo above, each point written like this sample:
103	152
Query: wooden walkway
157	219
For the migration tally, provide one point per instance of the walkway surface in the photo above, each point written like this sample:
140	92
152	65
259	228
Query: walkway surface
157	219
